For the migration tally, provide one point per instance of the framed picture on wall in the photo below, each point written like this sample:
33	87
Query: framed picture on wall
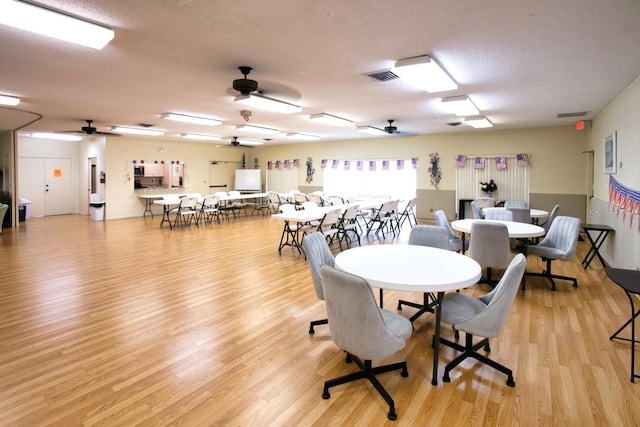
610	153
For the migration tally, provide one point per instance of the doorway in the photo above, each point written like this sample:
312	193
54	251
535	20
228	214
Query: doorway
47	184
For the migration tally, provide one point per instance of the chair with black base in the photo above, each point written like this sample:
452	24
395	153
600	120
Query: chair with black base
364	331
455	242
558	244
318	254
490	246
435	237
476	211
552	216
482	317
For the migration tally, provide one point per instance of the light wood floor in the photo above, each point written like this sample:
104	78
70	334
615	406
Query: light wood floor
121	323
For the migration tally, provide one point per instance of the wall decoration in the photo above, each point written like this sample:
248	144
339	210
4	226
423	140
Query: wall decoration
434	170
488	188
461	160
523	159
310	170
501	162
610	148
624	200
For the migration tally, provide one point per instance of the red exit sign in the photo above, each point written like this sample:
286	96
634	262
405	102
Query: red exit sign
582	124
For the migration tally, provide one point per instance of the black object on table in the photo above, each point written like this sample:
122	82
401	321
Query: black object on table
462	205
629	280
603	232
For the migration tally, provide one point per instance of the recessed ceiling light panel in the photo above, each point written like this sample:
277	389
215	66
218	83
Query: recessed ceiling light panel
9	100
191	119
424	72
137	131
330	120
49	23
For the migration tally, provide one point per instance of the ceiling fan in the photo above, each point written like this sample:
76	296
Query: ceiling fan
245	86
235	143
90	130
393	130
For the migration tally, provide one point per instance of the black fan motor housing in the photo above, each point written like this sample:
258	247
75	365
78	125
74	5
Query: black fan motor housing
245	86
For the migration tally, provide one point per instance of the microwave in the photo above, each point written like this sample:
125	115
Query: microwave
138	170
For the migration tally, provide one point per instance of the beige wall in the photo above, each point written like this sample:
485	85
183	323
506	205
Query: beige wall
122	200
557	162
622	115
558	166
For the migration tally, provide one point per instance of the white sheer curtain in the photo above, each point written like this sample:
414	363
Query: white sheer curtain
395	178
512	181
282	179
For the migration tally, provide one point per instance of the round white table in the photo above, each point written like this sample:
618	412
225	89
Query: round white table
536	214
517	230
412	268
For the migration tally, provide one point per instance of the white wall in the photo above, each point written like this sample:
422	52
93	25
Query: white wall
622	115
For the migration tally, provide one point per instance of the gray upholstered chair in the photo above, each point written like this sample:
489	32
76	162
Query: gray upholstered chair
364	331
318	254
489	245
558	244
498	214
435	237
515	204
455	242
552	215
484	316
476	211
520	214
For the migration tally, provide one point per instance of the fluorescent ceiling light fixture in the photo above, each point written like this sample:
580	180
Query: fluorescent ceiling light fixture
249	141
424	72
478	122
53	24
191	119
137	131
9	100
330	120
265	103
257	129
58	136
371	130
302	135
200	137
460	106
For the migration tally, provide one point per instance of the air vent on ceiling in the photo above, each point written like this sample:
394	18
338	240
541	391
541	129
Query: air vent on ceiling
454	123
576	114
383	76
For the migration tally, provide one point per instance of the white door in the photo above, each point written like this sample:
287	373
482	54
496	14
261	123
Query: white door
221	175
47	184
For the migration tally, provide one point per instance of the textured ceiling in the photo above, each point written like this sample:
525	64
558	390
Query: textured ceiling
522	63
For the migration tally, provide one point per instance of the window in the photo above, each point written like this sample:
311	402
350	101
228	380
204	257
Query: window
371	178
